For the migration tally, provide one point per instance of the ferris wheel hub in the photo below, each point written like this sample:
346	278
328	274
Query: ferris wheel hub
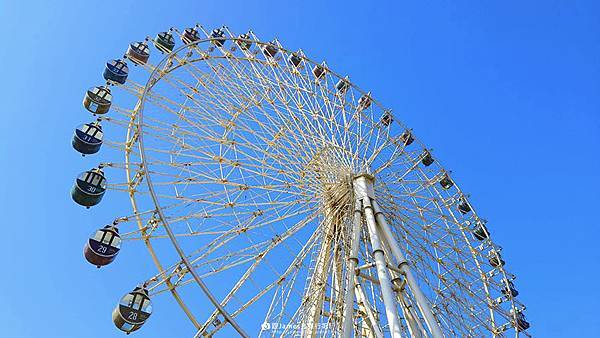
363	186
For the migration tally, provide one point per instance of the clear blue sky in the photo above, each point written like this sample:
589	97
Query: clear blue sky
506	92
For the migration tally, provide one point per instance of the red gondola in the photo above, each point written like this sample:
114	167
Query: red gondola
138	52
190	35
103	246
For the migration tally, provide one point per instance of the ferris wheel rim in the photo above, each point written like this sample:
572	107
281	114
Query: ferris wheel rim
147	242
159	209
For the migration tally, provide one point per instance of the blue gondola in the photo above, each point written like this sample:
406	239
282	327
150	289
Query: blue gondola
218	37
89	188
103	246
116	71
87	138
138	52
190	35
133	310
165	42
97	100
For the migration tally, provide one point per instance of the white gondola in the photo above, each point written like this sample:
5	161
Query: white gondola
133	310
97	100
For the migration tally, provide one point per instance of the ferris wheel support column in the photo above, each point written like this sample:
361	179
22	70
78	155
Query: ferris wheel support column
363	190
348	326
422	301
415	328
315	294
363	302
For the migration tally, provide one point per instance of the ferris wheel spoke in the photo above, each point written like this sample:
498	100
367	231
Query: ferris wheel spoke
275	107
407	219
333	103
259	259
417	219
253	223
400	157
449	272
232	259
260	256
286	107
210	159
214	265
302	92
283	96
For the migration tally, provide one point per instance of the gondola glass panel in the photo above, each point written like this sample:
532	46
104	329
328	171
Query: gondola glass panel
480	231
364	102
427	158
319	71
407	138
294	60
342	85
446	182
386	119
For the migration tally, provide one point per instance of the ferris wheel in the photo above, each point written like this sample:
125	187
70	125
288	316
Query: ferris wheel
270	190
